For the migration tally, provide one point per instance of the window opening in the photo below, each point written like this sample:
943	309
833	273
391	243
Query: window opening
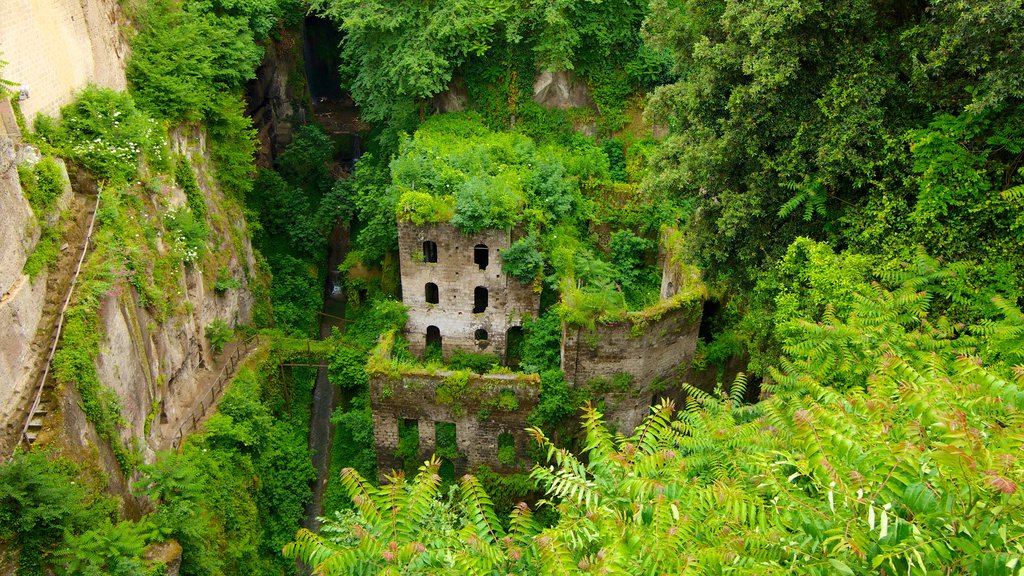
431	293
480	334
481	256
429	251
479	299
409	445
506	449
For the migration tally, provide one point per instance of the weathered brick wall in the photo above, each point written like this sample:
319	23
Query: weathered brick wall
457	275
478	422
56	47
656	353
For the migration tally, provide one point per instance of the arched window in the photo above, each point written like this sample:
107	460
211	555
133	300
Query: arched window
431	293
434	342
481	256
480	334
429	251
479	299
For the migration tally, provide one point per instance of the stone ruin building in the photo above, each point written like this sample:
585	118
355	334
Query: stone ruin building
457	295
459	299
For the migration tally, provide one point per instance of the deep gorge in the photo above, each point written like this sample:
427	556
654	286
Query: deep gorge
631	287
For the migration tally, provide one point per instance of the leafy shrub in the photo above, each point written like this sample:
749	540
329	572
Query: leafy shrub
473	361
523	260
542	339
103	131
485	202
183	59
507	401
218	333
42	184
453	388
225	281
421	208
42	499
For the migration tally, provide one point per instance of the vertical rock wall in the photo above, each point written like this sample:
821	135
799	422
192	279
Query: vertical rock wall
21	298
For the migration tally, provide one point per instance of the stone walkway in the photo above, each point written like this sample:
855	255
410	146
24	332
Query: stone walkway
214	381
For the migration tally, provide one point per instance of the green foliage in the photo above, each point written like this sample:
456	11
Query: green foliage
225	281
46	252
408	450
41	499
104	131
114	549
472	361
235	495
903	135
506	449
183	59
541	343
189	234
42	185
397	55
185	177
557	402
218	333
911	472
630	256
348	368
522	260
353	446
453	388
444	438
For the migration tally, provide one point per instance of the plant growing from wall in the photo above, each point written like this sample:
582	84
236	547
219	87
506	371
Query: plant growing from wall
218	333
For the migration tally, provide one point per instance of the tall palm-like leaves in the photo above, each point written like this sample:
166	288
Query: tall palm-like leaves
887	445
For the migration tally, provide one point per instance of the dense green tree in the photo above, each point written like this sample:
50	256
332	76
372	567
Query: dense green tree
878	125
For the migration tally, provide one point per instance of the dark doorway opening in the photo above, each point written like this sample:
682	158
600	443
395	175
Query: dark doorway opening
479	299
513	346
434	344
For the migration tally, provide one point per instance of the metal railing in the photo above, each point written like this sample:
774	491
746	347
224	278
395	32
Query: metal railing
60	326
198	412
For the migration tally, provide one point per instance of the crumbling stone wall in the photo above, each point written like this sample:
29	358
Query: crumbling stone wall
478	421
643	358
456	276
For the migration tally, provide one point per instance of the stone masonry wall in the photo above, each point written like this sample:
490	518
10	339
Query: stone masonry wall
412	396
656	354
457	275
56	47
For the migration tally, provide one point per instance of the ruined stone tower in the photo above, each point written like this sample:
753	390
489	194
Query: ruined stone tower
457	295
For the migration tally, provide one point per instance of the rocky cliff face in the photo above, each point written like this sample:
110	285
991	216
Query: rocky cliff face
21	298
156	365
